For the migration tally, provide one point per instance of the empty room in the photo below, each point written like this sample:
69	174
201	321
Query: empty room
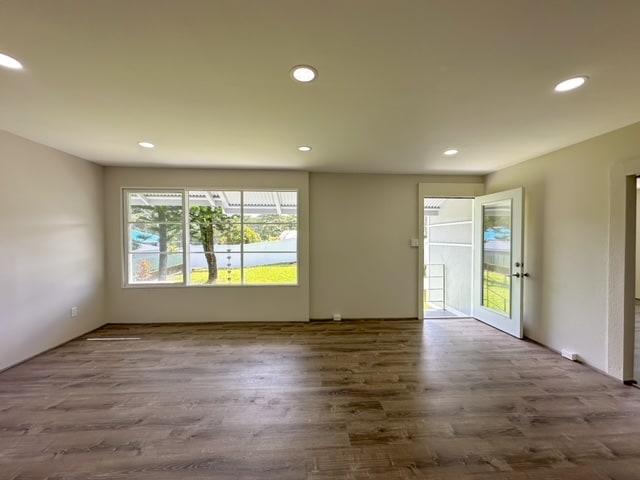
293	239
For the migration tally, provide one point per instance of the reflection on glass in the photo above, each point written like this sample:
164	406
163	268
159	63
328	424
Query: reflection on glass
496	257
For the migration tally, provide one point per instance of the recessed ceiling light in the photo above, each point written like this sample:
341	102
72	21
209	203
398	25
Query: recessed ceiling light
304	73
10	62
304	148
451	152
146	144
571	84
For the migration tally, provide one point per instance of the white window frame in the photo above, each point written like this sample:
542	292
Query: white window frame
186	240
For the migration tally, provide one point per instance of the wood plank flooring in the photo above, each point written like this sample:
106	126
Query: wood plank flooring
375	399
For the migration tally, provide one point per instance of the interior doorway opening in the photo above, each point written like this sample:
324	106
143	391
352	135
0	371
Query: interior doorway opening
448	257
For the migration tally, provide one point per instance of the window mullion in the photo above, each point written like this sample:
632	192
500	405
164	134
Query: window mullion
241	237
186	240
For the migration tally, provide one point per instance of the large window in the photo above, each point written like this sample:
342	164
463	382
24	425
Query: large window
211	237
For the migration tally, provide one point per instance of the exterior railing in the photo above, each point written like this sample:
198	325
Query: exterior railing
434	286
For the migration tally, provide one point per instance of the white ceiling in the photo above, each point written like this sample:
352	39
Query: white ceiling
399	81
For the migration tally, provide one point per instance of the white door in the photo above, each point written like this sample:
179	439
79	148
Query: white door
498	264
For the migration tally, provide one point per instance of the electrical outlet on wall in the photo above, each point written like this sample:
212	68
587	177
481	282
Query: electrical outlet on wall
74	311
337	317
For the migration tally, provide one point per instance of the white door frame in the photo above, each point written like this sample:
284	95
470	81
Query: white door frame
442	190
621	281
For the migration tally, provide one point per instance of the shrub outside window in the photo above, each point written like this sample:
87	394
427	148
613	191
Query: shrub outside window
220	237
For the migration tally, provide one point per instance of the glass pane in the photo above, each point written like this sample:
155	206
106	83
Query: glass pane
212	221
214	269
277	239
155	207
227	201
224	249
496	256
206	236
155	237
155	267
270	207
271	232
270	268
225	271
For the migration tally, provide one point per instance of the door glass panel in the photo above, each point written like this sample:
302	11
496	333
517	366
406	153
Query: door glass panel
496	257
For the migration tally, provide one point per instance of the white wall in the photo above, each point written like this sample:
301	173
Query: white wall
205	303
362	264
567	226
52	248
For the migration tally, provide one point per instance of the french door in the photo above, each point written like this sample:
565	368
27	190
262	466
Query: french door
499	270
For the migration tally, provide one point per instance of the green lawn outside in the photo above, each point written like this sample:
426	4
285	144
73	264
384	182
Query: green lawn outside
263	275
497	291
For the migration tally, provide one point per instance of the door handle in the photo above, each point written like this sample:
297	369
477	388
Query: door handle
517	275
